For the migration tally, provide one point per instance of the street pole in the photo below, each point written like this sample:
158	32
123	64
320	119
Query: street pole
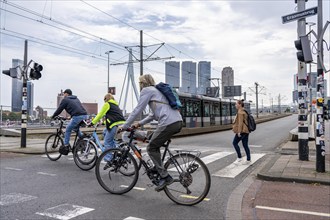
257	110
108	52
302	93
320	129
24	98
141	53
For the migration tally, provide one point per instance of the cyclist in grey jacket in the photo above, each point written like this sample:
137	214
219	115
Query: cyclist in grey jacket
169	123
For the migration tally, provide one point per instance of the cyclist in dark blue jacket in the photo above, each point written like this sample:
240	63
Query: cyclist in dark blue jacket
72	105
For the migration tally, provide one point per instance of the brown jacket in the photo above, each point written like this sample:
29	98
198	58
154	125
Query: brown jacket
240	121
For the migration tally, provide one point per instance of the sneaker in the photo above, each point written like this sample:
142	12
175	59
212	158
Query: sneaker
247	162
238	161
64	149
164	182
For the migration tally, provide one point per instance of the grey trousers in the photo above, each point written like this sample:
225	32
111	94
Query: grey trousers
159	137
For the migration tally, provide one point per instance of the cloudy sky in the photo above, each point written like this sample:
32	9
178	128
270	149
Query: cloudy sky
70	38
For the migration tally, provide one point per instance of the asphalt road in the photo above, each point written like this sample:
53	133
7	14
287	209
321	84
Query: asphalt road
33	187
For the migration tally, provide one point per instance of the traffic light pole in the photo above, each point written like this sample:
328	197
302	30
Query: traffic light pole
302	93
24	99
320	129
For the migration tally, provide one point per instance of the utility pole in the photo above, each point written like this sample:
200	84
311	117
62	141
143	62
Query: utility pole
302	93
108	52
257	109
320	129
141	53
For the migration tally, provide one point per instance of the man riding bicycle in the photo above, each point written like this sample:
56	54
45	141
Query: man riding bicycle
72	105
169	123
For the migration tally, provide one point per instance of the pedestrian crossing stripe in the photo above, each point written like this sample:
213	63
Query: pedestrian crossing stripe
210	158
232	170
65	211
12	198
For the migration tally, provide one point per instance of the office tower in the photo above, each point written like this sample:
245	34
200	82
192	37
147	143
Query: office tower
204	75
172	73
188	70
17	87
227	77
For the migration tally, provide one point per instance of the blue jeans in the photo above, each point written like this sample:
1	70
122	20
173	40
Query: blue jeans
245	139
109	140
73	125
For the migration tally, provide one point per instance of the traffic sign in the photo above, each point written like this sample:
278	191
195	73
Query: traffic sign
299	15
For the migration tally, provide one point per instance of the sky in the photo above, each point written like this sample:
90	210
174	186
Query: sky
70	38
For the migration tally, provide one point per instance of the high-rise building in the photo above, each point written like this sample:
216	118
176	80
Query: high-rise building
188	70
227	78
17	87
204	75
172	73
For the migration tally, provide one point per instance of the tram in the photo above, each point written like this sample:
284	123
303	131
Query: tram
204	111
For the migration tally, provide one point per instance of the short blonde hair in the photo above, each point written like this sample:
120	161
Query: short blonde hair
108	96
146	80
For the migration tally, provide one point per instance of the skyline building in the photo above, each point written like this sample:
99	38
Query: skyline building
204	75
227	79
172	73
188	74
17	89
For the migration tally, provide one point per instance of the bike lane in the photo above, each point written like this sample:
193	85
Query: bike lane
282	200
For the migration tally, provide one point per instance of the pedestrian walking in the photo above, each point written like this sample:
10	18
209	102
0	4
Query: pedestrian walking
241	131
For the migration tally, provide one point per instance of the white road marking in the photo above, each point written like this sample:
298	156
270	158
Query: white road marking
47	174
11	168
210	158
137	188
193	197
12	198
65	211
232	170
133	218
293	211
250	145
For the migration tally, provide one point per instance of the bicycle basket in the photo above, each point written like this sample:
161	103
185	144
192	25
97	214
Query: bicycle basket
125	136
140	135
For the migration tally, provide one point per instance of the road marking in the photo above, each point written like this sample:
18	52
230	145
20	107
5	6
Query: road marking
137	188
250	145
232	170
65	211
12	198
193	197
209	159
47	174
293	211
11	168
133	218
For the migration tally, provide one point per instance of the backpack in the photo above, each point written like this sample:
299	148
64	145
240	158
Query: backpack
170	94
251	124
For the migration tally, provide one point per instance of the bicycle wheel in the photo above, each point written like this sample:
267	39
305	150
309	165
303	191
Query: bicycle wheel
125	168
52	146
85	154
109	174
192	179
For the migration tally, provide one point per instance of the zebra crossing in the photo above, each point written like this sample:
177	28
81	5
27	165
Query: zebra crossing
68	211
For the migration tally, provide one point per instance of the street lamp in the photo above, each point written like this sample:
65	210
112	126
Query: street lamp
108	52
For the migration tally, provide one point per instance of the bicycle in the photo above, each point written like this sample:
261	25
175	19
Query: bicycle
87	154
55	141
191	176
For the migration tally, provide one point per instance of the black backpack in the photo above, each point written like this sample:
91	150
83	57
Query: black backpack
251	124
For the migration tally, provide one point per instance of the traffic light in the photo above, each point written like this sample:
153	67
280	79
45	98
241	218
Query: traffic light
304	53
35	71
12	72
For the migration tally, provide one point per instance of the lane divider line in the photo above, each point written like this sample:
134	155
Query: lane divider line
293	211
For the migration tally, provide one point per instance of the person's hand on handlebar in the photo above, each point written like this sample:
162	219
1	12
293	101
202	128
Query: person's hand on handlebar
90	125
136	125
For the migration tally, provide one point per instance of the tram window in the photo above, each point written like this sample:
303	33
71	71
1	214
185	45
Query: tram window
233	109
225	109
206	109
189	109
197	107
215	110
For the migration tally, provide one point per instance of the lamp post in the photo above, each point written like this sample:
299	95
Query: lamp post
108	52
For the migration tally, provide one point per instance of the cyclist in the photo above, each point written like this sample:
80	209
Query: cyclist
169	123
72	105
113	117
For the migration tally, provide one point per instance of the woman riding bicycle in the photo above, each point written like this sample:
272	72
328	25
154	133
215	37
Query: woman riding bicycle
169	123
114	117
